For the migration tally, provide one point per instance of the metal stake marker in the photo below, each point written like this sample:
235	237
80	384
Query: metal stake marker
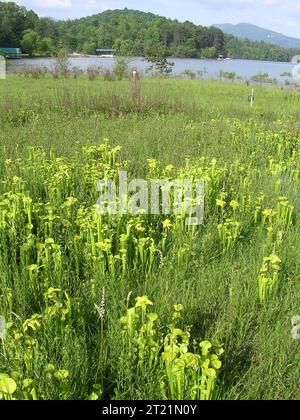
252	99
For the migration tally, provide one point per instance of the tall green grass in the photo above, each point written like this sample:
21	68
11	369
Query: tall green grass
68	278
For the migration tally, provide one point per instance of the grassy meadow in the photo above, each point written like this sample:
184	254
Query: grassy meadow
143	307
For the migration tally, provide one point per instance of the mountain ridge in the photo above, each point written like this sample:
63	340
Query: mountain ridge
257	33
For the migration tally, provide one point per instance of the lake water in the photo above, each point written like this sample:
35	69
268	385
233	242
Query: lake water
243	68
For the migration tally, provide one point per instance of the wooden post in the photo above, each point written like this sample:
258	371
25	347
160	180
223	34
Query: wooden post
135	87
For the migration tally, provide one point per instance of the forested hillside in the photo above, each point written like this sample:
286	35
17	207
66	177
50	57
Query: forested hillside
131	32
134	32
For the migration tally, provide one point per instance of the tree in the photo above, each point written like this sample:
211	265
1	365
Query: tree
30	41
158	57
89	48
218	40
209	52
62	64
47	28
121	68
245	49
14	20
46	46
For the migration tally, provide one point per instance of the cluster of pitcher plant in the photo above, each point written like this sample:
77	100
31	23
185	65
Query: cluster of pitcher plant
50	226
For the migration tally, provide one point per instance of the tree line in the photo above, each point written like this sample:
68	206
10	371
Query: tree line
132	33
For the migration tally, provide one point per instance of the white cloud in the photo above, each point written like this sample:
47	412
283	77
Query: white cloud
54	4
38	5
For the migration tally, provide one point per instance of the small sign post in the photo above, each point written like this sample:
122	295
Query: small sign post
251	98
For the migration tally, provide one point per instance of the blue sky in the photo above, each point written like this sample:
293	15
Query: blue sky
279	15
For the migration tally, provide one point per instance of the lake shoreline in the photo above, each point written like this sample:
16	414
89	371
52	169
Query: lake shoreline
129	57
243	70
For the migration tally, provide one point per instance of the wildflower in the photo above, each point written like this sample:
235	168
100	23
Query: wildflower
50	368
61	375
234	204
104	246
283	201
275	262
143	302
221	203
32	323
268	213
152	163
167	224
169	168
139	227
70	201
7	386
101	308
